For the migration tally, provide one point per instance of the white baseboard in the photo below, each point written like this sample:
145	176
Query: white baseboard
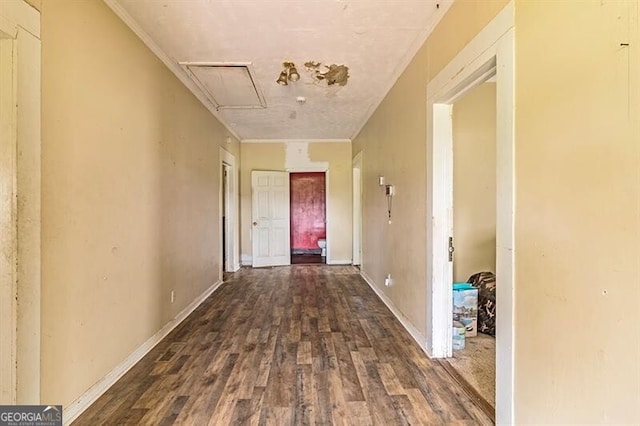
339	262
246	260
77	407
419	338
236	267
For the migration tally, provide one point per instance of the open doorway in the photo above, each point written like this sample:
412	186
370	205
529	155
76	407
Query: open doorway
490	54
308	217
226	170
229	231
357	209
474	239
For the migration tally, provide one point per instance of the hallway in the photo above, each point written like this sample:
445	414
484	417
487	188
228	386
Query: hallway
287	345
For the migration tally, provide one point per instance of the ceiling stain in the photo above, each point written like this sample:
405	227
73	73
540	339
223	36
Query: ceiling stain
335	74
293	115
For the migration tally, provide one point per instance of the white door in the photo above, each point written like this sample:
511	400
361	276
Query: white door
270	218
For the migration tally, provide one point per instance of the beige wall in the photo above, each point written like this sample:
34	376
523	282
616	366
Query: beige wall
303	156
394	145
474	182
130	184
130	163
578	201
578	212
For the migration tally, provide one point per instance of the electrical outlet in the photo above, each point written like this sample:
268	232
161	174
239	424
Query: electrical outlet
387	280
173	296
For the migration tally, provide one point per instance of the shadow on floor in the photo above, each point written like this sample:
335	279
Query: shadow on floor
306	259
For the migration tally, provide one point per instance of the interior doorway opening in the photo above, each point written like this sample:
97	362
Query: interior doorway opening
474	239
489	54
229	230
357	209
226	169
308	217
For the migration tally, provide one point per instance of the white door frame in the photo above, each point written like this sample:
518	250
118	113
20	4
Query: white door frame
20	196
232	230
490	52
227	238
357	209
8	237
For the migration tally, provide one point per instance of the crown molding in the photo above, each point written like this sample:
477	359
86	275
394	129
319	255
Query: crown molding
402	65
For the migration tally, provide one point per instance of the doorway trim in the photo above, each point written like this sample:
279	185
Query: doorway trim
490	53
8	237
232	229
20	345
357	208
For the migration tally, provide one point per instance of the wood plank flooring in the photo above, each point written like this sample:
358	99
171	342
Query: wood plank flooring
298	345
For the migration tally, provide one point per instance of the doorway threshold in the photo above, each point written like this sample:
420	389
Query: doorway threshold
307	259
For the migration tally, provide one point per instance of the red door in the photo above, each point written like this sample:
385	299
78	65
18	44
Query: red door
308	204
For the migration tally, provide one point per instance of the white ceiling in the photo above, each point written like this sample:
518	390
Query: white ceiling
375	39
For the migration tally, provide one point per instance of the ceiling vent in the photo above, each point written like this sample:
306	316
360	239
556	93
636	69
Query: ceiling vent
226	84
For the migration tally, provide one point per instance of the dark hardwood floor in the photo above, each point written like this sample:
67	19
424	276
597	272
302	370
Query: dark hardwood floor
297	345
306	259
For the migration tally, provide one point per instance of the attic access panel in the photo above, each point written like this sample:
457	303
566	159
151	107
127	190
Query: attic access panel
227	85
